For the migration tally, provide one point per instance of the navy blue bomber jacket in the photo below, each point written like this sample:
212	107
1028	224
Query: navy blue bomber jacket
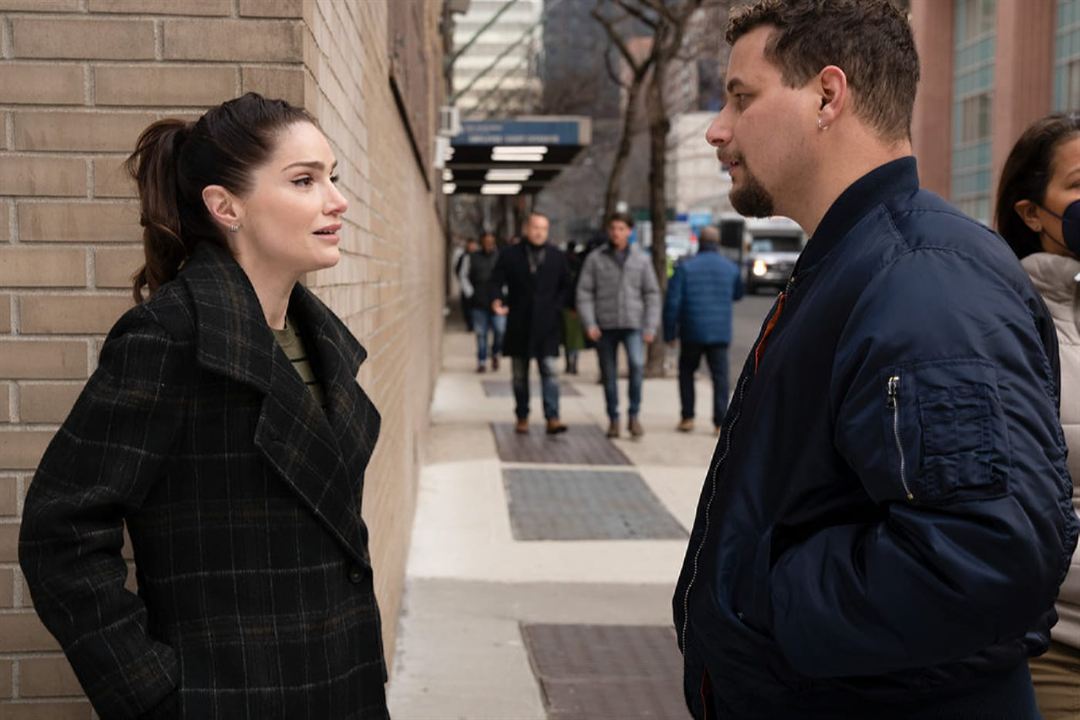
887	517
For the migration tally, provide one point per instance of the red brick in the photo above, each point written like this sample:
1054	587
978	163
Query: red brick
34	37
43	360
47	677
79	222
47	402
22	450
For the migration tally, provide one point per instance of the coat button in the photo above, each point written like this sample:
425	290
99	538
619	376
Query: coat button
356	575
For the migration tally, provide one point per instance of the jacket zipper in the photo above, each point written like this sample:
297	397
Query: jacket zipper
893	402
712	480
708	509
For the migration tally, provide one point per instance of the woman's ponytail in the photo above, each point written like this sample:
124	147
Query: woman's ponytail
153	165
174	161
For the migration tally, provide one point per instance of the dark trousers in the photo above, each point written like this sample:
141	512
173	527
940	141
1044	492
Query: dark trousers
689	360
607	348
549	386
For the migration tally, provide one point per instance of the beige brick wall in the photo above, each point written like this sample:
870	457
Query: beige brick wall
79	79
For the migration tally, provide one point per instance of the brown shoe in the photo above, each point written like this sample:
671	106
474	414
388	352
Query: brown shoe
685	425
494	362
481	368
554	427
635	427
521	427
613	429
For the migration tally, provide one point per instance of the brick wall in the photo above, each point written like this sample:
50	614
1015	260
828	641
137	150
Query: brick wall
79	79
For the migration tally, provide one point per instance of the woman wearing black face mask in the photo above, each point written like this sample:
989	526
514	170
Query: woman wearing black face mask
1038	214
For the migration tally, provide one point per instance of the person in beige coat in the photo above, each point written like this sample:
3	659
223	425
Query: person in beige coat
1038	214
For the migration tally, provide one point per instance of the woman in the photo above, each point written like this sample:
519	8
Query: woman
1038	214
225	428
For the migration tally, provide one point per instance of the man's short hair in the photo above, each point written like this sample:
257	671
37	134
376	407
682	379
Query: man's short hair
536	213
710	234
620	217
870	40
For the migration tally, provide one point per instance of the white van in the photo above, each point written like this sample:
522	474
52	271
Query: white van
770	247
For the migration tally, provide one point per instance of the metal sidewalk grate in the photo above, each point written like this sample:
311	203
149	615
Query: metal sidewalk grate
503	388
580	445
585	505
589	672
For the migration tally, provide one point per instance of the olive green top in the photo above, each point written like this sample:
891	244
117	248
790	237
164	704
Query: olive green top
292	343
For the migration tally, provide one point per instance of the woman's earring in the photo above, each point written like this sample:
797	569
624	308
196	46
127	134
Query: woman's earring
235	227
821	125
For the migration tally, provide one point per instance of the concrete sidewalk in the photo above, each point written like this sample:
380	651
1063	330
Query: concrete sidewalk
472	587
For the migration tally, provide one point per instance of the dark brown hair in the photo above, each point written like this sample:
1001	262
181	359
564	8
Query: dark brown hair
174	160
870	40
620	217
1026	174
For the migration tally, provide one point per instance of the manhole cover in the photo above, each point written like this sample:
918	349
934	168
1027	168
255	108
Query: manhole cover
580	445
594	672
585	505
502	388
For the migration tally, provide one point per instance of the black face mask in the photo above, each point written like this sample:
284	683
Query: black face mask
1070	228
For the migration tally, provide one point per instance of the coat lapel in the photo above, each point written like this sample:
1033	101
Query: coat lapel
293	433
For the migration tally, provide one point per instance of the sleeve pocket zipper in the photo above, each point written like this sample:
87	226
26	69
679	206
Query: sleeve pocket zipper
893	403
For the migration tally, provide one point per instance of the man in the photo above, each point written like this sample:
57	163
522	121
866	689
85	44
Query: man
618	300
697	311
474	275
537	280
887	517
462	253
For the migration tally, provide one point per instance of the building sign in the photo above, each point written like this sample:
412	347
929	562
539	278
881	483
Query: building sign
519	132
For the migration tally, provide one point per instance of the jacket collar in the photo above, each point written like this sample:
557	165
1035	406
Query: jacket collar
232	335
897	177
1054	276
321	455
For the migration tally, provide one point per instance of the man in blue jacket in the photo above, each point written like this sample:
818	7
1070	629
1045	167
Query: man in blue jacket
697	311
886	519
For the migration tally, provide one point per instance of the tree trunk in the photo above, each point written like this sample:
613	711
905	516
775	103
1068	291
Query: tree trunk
611	196
659	125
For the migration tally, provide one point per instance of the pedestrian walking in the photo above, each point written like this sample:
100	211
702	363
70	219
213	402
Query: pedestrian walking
618	299
887	517
573	332
471	246
1038	214
225	430
536	280
474	275
697	312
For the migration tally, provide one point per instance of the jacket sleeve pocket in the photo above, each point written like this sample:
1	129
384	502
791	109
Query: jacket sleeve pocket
945	431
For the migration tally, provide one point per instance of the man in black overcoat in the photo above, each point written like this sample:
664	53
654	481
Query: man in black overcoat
531	283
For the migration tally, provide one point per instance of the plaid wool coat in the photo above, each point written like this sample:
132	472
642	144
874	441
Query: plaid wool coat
242	501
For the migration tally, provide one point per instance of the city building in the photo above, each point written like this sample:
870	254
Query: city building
697	185
497	74
989	68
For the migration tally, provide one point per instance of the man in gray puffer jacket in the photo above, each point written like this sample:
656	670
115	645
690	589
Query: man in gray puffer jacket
618	300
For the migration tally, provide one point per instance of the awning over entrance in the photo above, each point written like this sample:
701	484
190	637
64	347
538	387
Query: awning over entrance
512	157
